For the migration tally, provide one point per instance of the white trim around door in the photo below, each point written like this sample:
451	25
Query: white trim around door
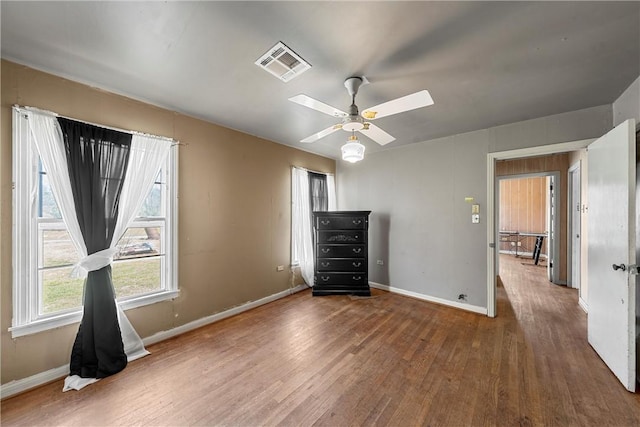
492	232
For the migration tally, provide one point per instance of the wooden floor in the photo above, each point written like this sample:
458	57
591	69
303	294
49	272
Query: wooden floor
386	360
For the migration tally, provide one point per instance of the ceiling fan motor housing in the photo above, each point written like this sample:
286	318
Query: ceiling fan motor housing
351	123
353	84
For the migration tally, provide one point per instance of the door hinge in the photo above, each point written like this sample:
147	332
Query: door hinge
551	265
633	269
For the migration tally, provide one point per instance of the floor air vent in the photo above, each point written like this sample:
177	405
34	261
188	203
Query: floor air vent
283	63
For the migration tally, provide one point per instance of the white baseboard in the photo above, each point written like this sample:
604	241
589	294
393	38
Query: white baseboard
164	335
20	386
454	304
583	305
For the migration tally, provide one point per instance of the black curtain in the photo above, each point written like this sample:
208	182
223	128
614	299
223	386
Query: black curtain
318	195
97	161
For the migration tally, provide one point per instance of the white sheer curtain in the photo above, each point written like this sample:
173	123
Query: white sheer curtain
47	136
301	227
147	155
301	237
331	193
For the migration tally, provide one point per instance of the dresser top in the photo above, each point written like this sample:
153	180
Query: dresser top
342	213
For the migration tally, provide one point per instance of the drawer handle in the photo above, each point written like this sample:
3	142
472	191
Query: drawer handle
325	278
325	221
356	277
355	264
357	221
325	264
356	250
325	250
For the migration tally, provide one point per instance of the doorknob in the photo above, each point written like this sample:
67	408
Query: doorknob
619	267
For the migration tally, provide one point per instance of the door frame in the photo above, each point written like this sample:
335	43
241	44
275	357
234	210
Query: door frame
575	170
553	224
492	209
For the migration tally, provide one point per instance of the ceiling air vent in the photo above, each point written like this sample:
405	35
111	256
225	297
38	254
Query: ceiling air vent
283	63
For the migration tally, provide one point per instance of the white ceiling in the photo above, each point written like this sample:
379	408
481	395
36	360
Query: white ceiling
484	63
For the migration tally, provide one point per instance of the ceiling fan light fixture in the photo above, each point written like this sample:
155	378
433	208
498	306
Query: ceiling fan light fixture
352	151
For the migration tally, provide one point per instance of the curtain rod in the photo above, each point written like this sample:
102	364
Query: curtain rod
311	170
133	132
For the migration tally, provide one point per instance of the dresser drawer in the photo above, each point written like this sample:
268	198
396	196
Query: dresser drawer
341	236
341	223
322	279
361	290
341	251
341	264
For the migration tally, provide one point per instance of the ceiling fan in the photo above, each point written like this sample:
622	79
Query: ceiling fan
353	121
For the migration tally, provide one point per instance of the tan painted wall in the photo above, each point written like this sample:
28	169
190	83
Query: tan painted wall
234	212
551	163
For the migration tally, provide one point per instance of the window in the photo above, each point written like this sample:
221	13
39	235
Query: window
307	195
45	296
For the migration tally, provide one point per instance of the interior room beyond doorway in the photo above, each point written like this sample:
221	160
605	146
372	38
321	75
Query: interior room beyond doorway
532	197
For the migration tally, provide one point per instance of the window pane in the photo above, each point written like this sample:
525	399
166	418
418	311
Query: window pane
140	242
138	271
137	276
57	249
47	206
153	204
59	291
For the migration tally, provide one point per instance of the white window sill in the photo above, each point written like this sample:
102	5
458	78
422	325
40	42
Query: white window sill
69	318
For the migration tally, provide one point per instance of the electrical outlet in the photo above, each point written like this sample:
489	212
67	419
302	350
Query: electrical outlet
380	262
280	268
519	243
462	297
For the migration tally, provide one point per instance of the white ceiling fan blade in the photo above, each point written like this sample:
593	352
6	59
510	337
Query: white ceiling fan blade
377	134
321	134
399	105
314	104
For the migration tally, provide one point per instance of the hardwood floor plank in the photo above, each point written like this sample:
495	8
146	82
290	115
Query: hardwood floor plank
387	360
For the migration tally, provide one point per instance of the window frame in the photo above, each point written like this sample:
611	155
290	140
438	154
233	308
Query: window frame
27	225
331	195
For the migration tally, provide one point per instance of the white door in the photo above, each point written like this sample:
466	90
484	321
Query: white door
611	249
575	226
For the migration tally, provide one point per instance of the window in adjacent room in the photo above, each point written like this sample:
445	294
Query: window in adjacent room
45	295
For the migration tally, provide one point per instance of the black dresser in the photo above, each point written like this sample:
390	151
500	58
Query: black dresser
341	251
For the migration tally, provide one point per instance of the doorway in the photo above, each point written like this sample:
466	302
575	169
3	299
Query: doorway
528	220
492	197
